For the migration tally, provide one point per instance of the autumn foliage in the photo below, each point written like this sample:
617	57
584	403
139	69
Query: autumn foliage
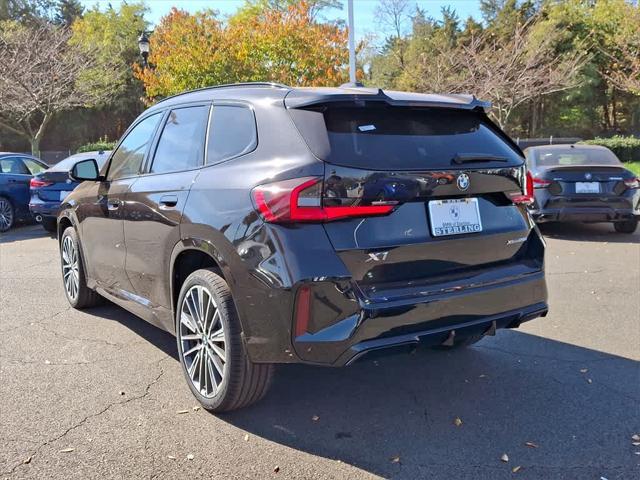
281	45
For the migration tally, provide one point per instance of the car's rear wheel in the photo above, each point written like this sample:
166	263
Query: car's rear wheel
213	357
73	274
7	214
49	224
628	226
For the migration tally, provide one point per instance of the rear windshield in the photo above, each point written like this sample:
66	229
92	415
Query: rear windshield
549	157
386	137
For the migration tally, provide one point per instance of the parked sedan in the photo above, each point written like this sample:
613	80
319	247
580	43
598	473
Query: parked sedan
583	183
50	187
16	170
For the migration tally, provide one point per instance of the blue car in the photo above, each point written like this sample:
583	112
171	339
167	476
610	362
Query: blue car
16	170
50	187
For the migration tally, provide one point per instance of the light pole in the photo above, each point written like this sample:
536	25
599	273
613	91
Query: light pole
352	46
143	45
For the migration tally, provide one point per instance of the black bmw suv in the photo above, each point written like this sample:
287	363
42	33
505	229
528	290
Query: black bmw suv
266	224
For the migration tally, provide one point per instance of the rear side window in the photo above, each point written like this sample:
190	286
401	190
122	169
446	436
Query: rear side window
13	166
232	133
552	157
127	159
181	144
34	167
384	137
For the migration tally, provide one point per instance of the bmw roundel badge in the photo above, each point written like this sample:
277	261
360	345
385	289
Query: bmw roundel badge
463	181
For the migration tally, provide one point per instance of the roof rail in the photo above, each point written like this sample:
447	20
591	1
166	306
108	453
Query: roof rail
228	85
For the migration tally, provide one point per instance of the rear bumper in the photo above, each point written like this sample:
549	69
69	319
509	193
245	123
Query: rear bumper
583	214
48	209
428	319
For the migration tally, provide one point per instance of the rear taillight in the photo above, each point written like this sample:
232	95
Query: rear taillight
300	200
35	183
632	183
540	183
526	197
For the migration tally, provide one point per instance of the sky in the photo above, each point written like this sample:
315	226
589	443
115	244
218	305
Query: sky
363	9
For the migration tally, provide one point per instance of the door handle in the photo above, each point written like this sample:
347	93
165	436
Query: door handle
168	201
113	204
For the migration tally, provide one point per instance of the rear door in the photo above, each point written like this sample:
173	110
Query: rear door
448	172
156	201
15	182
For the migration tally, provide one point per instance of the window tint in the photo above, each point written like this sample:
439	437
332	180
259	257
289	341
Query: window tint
232	133
13	166
128	157
34	167
181	144
551	157
390	137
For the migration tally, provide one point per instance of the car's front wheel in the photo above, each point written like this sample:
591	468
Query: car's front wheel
213	357
6	214
73	274
628	226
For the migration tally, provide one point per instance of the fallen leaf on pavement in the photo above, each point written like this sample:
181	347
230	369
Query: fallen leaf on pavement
531	444
457	421
584	370
504	457
171	457
246	437
27	460
182	412
395	459
635	444
67	450
190	456
315	418
635	438
276	469
516	469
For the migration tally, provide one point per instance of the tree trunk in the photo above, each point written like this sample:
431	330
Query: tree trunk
35	146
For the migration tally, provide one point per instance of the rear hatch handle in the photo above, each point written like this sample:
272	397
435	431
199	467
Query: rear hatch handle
461	158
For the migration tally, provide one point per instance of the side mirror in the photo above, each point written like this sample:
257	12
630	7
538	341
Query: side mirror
85	170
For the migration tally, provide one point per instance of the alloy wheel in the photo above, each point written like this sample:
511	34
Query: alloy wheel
6	215
70	268
202	340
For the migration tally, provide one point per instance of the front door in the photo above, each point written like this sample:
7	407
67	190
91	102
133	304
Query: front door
101	206
155	203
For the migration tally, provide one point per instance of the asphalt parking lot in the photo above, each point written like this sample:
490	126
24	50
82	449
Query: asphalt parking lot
100	393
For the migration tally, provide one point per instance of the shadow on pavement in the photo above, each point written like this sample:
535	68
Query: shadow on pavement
507	391
24	232
588	232
394	416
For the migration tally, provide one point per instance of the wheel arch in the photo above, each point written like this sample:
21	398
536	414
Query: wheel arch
193	254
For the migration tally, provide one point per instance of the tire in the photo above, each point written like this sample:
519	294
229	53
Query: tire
73	274
628	226
7	214
50	224
219	382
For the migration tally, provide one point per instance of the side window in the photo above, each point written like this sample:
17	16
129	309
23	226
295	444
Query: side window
127	159
34	167
13	166
232	133
181	144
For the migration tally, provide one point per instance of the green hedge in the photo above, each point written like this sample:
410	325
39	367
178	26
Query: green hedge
627	149
102	144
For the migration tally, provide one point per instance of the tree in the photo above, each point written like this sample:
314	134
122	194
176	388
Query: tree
394	16
111	37
42	76
67	11
269	44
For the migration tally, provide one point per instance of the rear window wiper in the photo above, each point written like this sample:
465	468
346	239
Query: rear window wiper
460	158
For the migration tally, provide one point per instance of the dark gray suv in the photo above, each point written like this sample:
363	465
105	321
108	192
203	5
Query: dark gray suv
265	224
